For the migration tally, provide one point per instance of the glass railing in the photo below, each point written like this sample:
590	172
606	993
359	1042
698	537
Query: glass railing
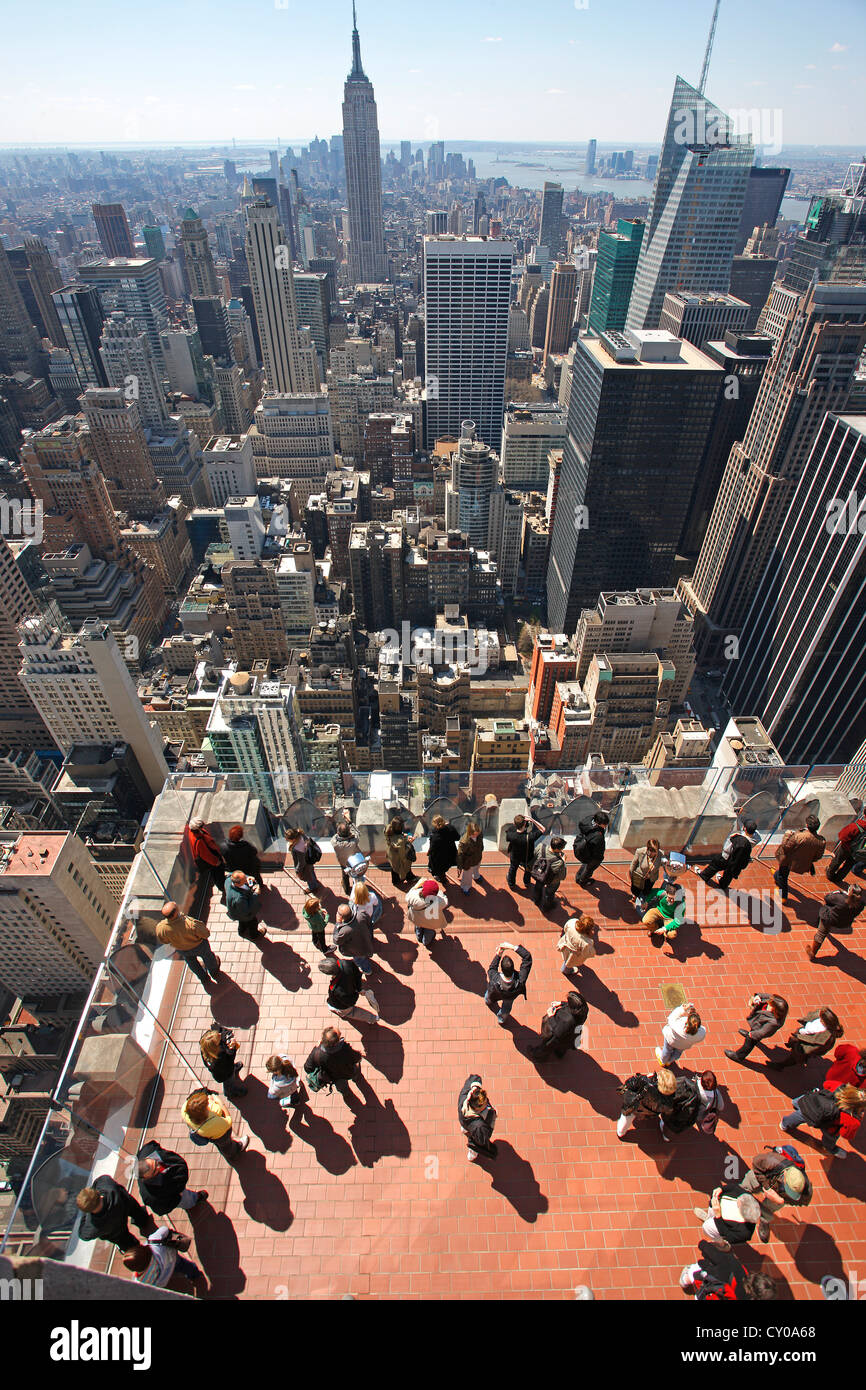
108	1092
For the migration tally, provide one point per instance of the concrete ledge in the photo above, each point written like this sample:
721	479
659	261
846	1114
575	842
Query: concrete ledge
52	1281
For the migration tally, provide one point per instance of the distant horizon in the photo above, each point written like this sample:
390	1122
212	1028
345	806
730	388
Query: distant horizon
456	145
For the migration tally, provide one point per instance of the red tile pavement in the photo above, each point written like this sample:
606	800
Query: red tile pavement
376	1198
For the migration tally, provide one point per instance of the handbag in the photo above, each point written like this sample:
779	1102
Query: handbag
314	853
709	1122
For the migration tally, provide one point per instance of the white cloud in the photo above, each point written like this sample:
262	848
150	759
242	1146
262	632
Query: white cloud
839	48
498	39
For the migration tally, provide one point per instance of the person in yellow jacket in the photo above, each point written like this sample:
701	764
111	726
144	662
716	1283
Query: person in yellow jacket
210	1123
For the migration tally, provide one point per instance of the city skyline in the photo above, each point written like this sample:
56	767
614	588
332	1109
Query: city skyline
808	74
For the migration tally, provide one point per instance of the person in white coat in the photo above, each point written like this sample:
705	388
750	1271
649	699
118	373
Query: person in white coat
426	904
682	1030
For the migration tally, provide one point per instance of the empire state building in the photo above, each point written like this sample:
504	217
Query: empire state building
367	263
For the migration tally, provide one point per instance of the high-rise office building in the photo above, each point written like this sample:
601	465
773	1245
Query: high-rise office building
19	341
292	437
255	618
615	268
591	149
43	278
752	280
810	373
286	367
112	228
154	242
132	286
20	724
197	258
436	223
700	317
79	310
211	320
467	288
640	411
85	694
529	433
696	206
560	308
115	439
802	658
764	193
550	228
130	366
474	471
367	262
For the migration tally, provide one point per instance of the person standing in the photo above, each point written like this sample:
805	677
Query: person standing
837	914
285	1083
842	861
561	1027
732	1216
240	854
442	849
504	983
159	1262
353	939
735	856
644	870
520	838
777	1178
682	1030
426	904
306	853
849	1068
577	943
366	905
189	938
207	855
345	844
210	1123
345	983
817	1033
712	1102
242	905
589	846
684	1110
836	1113
162	1180
767	1013
401	854
334	1062
219	1049
477	1119
317	920
548	871
798	853
108	1209
646	1095
470	851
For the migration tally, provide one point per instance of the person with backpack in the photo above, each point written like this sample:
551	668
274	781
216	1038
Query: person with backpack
477	1119
470	852
644	870
520	838
219	1049
240	854
646	1095
504	983
548	871
577	943
401	854
345	985
285	1083
836	914
209	1122
681	1031
798	853
718	1276
345	845
589	846
162	1180
441	849
108	1209
353	939
735	856
242	905
426	905
334	1063
849	1068
767	1013
561	1027
731	1217
306	853
160	1263
836	1113
207	855
777	1178
317	920
817	1033
850	846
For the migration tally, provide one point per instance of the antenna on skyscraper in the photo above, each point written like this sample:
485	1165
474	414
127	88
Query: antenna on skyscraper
705	69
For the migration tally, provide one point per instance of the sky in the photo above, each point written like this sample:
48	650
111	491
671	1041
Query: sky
172	71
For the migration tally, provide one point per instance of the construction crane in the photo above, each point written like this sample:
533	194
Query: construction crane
705	69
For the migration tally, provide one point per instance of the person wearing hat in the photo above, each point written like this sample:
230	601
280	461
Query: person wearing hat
207	854
189	937
477	1118
504	983
776	1181
240	854
426	904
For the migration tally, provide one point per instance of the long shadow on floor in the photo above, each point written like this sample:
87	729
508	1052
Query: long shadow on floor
844	960
515	1179
286	965
755	1259
599	995
399	952
265	1118
396	1000
813	1250
276	912
232	1006
485	903
216	1249
265	1198
579	1074
383	1049
377	1129
332	1151
454	960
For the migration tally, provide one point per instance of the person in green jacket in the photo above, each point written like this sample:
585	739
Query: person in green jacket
666	910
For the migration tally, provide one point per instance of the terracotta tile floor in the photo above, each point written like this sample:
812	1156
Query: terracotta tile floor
377	1199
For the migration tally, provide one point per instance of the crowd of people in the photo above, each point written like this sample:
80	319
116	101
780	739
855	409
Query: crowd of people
672	1098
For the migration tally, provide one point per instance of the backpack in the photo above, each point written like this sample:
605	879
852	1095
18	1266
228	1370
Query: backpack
794	1157
540	870
857	848
580	848
314	853
317	1080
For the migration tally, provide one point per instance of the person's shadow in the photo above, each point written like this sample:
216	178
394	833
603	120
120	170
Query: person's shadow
399	952
515	1179
599	995
813	1250
377	1129
383	1049
232	1006
579	1074
844	960
265	1198
217	1250
264	1117
276	912
396	1000
454	960
291	970
333	1152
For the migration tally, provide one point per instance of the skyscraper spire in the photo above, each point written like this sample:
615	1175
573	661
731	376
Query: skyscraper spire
702	85
357	69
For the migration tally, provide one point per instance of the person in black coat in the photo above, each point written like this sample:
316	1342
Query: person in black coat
346	981
719	1276
735	856
219	1054
108	1208
335	1059
520	837
504	983
684	1112
240	854
561	1027
442	849
767	1013
589	846
477	1118
162	1180
732	1216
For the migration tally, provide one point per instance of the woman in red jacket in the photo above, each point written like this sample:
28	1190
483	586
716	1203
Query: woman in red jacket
207	855
848	1069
